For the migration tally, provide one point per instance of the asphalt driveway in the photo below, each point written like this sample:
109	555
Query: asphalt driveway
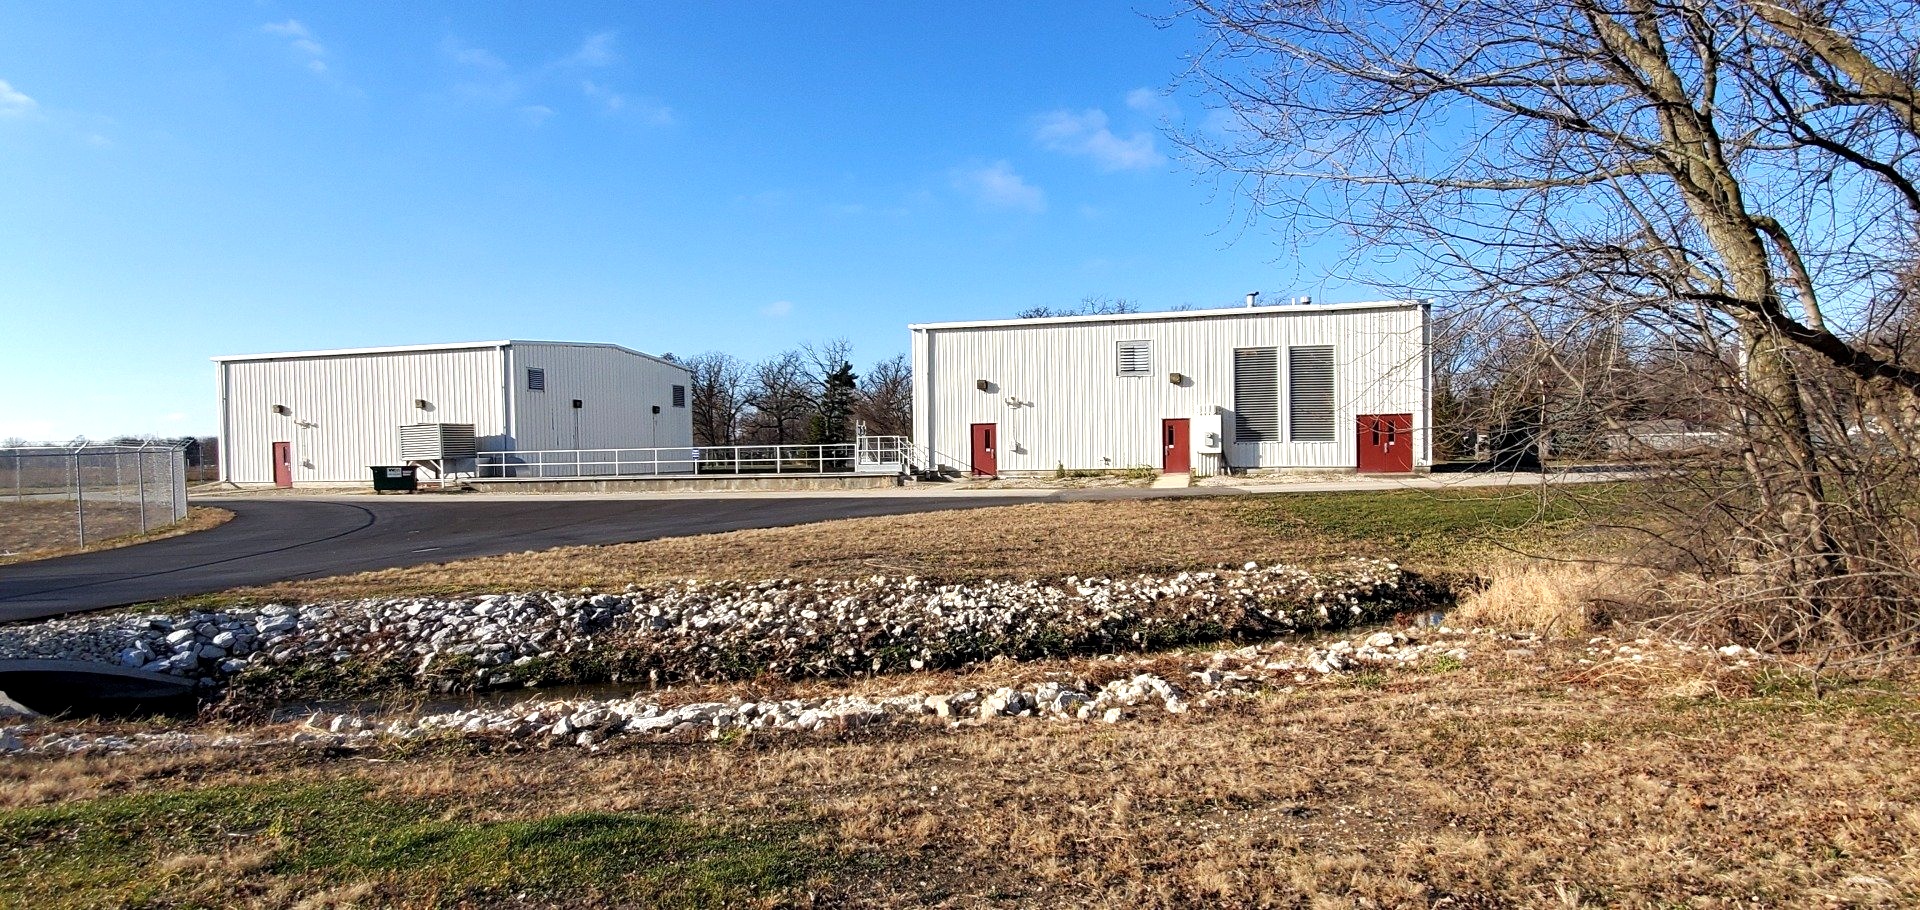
274	539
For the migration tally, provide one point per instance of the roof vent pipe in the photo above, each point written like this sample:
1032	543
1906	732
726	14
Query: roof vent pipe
1251	296
1306	301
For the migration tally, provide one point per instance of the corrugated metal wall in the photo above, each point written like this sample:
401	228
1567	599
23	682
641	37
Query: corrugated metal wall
617	392
347	410
1058	402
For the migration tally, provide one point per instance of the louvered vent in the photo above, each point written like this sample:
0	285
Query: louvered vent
1136	358
1256	395
1310	394
679	396
432	441
536	379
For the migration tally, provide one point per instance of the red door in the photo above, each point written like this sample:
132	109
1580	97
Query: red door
985	444
1386	443
283	464
1176	451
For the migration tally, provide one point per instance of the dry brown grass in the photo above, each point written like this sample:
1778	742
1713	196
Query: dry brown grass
44	530
1497	785
1023	541
1552	598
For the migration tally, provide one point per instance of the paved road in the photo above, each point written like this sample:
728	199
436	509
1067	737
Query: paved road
274	539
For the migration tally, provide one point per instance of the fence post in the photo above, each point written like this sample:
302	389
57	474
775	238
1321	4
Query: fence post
140	485
79	499
177	484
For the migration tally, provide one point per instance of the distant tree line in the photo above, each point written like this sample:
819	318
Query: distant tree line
810	394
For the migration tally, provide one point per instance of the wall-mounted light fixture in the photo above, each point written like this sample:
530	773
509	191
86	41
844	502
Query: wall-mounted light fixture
577	405
983	385
422	404
656	409
282	410
1176	378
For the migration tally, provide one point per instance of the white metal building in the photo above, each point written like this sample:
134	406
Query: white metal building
1339	386
328	416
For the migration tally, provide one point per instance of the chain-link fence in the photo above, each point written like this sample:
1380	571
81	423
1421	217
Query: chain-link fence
61	496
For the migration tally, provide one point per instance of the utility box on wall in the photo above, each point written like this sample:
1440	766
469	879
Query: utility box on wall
1209	431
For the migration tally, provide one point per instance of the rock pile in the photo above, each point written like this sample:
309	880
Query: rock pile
720	630
592	723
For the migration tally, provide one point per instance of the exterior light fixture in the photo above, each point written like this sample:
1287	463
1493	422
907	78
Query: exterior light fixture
983	385
282	410
421	403
1176	378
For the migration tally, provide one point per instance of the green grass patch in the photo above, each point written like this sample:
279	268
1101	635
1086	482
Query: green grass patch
1430	523
115	852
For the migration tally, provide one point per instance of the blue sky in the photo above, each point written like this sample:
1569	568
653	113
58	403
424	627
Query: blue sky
184	180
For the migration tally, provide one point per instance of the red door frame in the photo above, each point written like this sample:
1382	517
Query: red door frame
1176	446
283	464
1385	443
986	445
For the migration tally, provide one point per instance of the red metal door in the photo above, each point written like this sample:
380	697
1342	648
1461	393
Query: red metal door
1386	443
1176	448
985	444
283	464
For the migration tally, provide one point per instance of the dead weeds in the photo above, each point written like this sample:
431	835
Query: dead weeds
45	530
1502	783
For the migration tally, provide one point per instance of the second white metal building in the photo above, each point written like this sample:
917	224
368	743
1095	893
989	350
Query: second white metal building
1340	386
329	416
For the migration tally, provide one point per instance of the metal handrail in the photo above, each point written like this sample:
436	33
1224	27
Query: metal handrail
869	454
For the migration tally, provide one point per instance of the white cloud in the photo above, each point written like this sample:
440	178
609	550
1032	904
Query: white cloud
1086	133
1152	103
597	50
467	55
301	41
997	186
777	308
14	103
536	114
288	29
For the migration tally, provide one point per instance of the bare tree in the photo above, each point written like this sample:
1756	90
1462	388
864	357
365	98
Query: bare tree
885	400
1731	183
719	397
1089	306
781	391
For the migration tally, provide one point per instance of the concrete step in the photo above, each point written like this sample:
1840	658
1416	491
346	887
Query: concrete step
1173	482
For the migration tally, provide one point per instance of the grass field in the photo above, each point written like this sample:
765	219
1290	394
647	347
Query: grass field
42	529
1522	778
1448	530
1535	773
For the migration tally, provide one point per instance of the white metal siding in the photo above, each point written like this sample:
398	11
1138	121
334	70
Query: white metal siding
1058	403
617	391
346	411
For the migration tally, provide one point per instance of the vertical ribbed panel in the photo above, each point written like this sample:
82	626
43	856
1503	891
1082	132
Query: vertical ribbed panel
1055	396
617	391
344	412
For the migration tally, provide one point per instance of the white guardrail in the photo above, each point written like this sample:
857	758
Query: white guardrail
868	455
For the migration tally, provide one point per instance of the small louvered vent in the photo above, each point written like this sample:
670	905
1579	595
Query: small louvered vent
679	396
1310	394
1136	358
1256	395
536	379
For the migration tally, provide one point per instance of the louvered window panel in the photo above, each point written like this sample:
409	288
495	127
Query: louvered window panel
1310	394
536	379
679	396
1256	395
1136	358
